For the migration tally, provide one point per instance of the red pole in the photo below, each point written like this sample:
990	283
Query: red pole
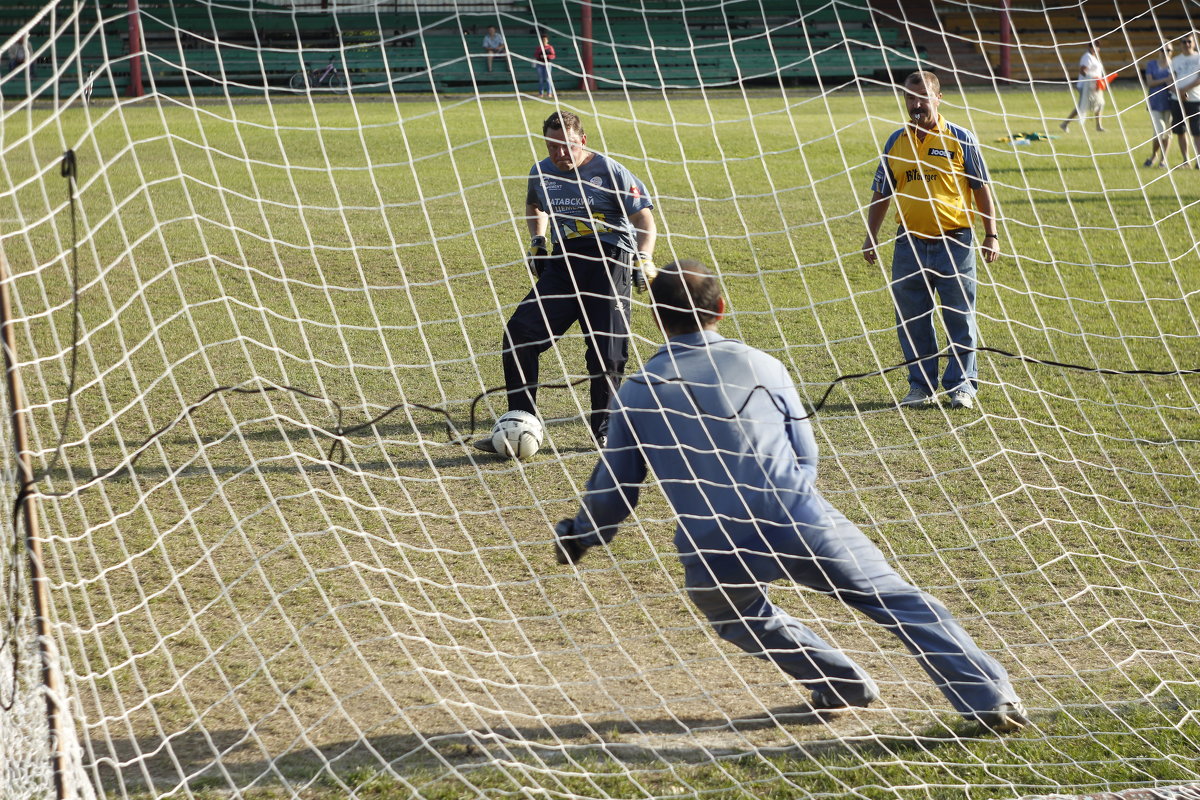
135	51
588	81
1005	42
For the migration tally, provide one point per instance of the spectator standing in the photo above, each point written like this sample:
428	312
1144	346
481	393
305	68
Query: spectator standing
723	428
542	58
935	171
1089	97
1185	69
493	44
1158	80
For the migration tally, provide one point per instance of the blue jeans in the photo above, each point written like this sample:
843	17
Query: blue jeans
727	586
544	86
945	266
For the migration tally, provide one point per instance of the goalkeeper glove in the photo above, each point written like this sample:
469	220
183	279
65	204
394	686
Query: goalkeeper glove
644	271
535	257
567	547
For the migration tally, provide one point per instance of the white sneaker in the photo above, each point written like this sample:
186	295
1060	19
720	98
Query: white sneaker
916	398
961	399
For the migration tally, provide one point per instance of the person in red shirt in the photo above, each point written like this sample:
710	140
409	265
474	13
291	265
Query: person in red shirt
541	60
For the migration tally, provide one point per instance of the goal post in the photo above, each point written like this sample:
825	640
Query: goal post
40	750
260	330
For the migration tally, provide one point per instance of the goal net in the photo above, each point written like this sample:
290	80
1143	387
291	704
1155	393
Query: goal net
261	324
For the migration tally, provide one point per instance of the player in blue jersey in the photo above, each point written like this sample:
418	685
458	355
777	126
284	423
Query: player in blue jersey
723	429
592	237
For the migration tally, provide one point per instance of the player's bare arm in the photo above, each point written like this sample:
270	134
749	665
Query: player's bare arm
536	219
647	230
644	269
876	213
987	210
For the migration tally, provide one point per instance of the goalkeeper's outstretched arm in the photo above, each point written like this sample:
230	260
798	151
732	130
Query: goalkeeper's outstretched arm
610	496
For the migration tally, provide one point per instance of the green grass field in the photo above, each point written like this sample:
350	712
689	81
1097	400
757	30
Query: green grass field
238	611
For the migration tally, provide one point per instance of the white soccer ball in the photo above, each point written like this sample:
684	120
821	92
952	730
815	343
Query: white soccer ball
517	434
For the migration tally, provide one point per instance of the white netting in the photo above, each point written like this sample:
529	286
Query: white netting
25	766
269	259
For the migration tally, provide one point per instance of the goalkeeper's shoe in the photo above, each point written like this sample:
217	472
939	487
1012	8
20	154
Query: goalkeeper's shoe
828	703
567	547
1004	718
485	444
644	271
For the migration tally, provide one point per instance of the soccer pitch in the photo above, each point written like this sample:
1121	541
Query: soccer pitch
238	609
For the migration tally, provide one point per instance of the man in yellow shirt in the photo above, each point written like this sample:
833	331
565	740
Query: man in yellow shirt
936	173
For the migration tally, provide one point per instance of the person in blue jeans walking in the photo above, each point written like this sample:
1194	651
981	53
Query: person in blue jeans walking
722	427
936	174
1158	80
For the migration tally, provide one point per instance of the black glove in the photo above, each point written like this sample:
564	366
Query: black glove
536	255
644	271
567	548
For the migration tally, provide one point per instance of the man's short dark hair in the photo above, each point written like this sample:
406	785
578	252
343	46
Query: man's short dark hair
686	296
564	121
925	77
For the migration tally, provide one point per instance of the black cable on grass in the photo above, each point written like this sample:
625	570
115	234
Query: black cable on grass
951	350
69	170
948	352
340	432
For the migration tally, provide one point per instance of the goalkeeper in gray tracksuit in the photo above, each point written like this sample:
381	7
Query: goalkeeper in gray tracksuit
722	426
592	237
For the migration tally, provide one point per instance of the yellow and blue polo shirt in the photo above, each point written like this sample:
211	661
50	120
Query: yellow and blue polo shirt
931	179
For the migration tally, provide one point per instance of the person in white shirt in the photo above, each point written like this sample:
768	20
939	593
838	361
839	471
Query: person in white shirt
16	55
1089	97
493	43
1185	69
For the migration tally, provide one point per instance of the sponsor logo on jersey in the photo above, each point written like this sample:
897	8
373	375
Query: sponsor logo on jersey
934	151
636	192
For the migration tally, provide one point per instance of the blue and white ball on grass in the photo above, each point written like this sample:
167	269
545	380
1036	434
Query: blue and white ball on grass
517	434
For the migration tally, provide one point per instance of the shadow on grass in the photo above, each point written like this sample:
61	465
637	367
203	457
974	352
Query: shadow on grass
706	751
199	758
434	445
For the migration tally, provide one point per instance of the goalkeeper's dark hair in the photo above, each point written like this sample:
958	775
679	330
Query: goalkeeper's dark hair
686	296
563	121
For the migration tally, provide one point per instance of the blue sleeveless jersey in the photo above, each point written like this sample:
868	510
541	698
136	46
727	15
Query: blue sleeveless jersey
594	201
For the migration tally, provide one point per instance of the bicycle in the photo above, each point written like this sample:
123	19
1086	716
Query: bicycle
328	76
